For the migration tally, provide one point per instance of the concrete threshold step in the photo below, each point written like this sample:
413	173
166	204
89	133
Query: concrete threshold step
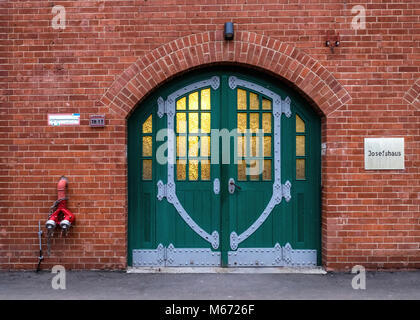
292	270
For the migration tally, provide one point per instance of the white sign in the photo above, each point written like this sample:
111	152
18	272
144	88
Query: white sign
384	153
64	119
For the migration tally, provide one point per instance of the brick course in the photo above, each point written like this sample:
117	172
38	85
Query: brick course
113	53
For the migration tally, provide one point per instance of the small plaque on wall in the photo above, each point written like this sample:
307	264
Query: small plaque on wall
384	153
64	119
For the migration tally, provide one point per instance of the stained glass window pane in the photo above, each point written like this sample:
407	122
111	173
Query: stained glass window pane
147	125
241	99
181	122
193	122
181	104
181	146
266	104
266	122
205	170
241	122
241	151
254	169
193	170
255	145
193	101
300	145
241	170
300	168
181	170
267	146
254	122
193	146
205	99
147	146
254	102
205	122
267	170
147	169
205	146
300	125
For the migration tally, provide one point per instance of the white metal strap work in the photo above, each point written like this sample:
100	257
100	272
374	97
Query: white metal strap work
205	257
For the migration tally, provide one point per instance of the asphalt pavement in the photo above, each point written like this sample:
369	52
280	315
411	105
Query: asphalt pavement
165	286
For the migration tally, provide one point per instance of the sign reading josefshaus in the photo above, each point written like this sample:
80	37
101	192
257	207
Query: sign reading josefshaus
384	153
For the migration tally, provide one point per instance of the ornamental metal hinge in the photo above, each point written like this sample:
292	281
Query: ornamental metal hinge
161	107
166	107
286	190
282	191
166	191
162	190
285	107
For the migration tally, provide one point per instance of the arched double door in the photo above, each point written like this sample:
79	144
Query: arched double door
224	170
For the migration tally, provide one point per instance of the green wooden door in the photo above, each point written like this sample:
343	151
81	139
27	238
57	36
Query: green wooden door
224	169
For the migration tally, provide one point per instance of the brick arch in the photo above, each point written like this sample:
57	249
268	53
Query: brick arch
412	96
206	48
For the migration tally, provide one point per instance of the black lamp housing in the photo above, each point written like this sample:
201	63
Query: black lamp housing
228	32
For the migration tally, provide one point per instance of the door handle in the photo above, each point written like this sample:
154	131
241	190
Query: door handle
216	186
232	186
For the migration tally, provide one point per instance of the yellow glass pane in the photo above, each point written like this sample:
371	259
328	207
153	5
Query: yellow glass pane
241	99
300	145
300	125
193	101
300	168
181	170
147	146
193	146
241	122
254	169
205	170
255	146
267	170
254	121
241	151
205	146
181	122
147	169
205	122
181	146
205	99
181	104
193	170
193	122
147	125
241	170
267	147
266	122
254	101
266	104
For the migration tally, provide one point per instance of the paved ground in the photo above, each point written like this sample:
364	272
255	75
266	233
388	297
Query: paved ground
121	285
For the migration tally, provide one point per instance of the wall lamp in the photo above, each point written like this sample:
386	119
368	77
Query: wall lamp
228	31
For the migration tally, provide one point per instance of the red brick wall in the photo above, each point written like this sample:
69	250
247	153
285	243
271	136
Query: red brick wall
112	53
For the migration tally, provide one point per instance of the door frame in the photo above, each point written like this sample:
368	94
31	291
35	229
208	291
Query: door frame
225	239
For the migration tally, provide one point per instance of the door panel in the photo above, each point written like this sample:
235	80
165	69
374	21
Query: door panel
196	111
176	217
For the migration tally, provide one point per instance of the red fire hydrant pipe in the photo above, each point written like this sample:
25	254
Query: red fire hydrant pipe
62	187
61	215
